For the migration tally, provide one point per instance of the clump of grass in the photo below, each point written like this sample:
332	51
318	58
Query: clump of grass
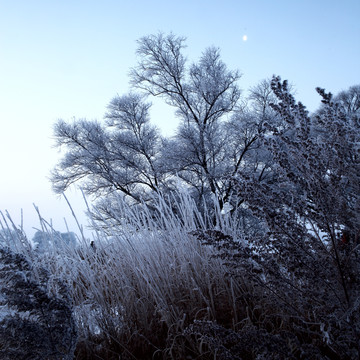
138	285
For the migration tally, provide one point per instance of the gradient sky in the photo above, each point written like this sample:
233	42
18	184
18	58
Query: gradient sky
67	59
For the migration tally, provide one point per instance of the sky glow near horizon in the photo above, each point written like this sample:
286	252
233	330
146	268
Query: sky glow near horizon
67	59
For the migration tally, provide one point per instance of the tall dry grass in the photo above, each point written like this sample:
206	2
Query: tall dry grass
174	285
138	285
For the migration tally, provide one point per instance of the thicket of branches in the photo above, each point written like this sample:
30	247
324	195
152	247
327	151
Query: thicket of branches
237	238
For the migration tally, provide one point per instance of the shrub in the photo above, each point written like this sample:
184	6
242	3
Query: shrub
34	323
304	265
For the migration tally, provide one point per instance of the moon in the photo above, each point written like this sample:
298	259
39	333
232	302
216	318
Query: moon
244	38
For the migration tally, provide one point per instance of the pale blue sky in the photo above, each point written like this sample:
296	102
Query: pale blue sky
64	59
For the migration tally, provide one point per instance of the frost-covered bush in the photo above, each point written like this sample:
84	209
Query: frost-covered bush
34	323
305	265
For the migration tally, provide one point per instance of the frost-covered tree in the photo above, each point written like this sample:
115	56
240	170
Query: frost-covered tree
12	236
202	94
120	155
260	97
35	312
44	241
8	238
349	100
126	155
